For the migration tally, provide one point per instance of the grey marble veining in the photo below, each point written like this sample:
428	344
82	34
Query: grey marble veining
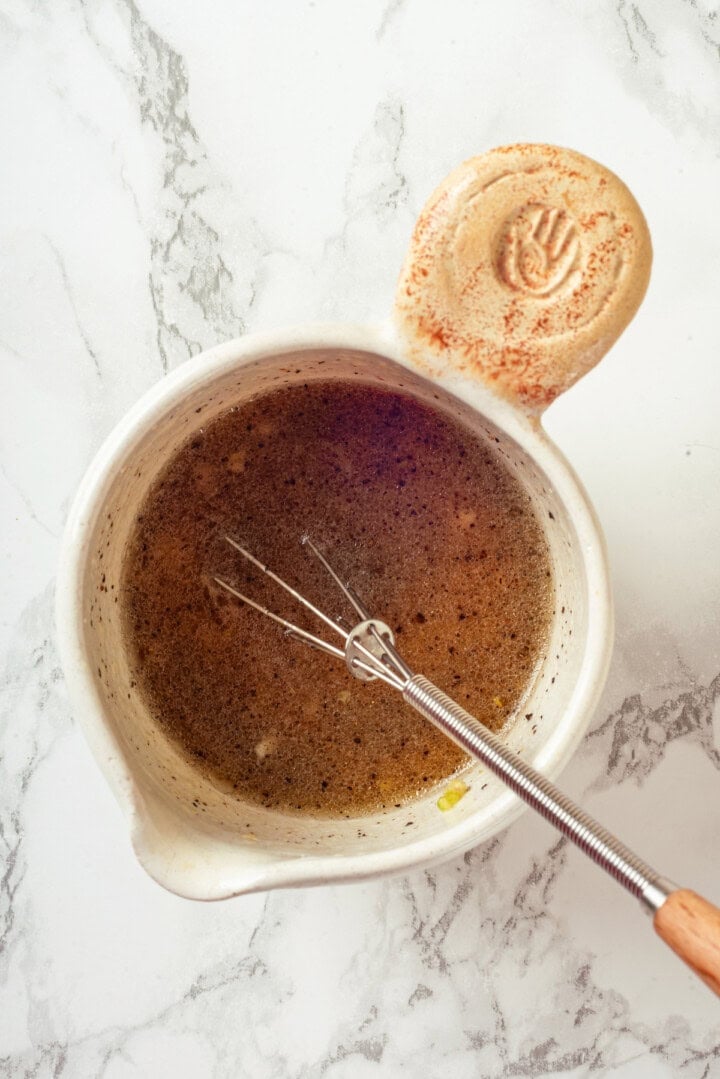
174	175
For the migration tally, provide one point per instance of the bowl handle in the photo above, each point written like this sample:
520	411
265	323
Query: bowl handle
525	265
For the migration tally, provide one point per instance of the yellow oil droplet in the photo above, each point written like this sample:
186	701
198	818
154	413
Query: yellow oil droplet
457	790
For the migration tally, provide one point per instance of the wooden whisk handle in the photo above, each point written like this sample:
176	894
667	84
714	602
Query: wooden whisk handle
690	925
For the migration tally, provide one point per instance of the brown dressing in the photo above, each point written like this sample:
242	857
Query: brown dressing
417	513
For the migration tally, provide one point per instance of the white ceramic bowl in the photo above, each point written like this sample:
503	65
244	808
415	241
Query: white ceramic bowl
195	839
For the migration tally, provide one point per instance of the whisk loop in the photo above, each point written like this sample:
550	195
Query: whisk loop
369	646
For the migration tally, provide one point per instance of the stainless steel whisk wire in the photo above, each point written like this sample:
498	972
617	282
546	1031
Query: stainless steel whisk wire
369	652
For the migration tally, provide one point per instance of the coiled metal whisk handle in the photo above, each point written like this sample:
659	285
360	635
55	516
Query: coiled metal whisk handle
687	922
539	793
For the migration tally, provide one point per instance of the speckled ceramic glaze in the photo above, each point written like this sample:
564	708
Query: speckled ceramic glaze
528	256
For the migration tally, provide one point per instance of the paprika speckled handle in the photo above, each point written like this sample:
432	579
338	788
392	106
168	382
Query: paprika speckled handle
524	267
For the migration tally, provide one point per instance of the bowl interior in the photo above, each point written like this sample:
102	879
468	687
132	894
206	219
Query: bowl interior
170	786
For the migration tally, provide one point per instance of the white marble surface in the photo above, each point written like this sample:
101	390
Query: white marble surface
176	174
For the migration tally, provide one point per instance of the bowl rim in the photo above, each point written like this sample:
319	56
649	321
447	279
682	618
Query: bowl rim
83	690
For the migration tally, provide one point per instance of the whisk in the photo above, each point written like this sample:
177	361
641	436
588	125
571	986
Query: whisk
689	924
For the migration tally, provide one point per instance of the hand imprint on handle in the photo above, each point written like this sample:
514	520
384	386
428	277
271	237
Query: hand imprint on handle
538	250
